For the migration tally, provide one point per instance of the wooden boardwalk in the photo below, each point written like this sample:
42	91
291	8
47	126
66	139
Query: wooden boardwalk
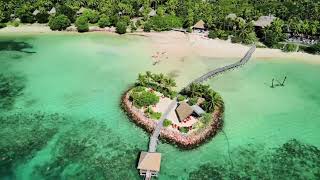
154	138
155	135
220	70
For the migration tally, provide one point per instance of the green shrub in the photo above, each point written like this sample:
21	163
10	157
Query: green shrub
15	23
60	22
156	115
193	101
42	17
91	15
138	23
314	49
167	123
104	21
218	33
125	19
82	24
165	23
67	11
144	98
147	27
290	48
184	129
3	25
181	98
138	89
121	27
133	26
206	118
151	114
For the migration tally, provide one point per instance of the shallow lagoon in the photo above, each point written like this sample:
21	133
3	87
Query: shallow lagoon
67	123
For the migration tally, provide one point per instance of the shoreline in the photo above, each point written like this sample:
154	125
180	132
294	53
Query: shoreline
177	45
191	141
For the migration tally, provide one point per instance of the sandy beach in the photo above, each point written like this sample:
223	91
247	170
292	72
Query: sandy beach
177	45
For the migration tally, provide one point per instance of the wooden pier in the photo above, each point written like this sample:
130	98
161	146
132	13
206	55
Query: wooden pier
149	171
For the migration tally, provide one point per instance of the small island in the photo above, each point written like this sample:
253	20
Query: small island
196	117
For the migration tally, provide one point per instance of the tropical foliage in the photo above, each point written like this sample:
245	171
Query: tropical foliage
211	97
153	115
144	98
314	49
159	82
121	27
167	123
104	21
82	24
60	22
224	18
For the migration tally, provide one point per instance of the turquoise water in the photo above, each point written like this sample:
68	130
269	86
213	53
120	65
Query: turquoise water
63	120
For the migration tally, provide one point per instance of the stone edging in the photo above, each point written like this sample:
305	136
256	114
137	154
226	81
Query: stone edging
186	142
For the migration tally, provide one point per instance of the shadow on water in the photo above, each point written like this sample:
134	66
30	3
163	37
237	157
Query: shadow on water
18	46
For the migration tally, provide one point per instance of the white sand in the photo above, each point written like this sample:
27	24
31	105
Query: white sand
178	45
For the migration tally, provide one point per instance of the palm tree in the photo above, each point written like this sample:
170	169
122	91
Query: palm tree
210	102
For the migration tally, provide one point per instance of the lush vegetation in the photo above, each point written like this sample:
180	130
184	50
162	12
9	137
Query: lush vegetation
60	22
121	27
158	82
82	24
153	115
224	18
167	123
143	98
290	48
211	97
314	49
104	21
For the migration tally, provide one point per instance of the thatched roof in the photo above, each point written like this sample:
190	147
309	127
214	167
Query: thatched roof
35	12
231	16
149	161
183	111
152	13
264	21
81	10
52	11
199	25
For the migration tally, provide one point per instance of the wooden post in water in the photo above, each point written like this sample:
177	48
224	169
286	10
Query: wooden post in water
284	80
272	86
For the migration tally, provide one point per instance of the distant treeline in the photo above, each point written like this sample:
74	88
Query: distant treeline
300	18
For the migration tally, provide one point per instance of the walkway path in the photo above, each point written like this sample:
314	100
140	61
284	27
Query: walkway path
217	71
154	138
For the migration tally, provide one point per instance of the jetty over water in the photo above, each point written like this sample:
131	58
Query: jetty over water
220	70
149	162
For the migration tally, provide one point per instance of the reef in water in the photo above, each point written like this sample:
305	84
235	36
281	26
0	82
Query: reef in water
22	135
90	150
18	46
292	160
11	86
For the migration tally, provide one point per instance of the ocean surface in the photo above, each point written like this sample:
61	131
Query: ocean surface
60	113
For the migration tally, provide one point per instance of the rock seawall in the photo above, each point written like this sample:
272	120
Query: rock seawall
190	141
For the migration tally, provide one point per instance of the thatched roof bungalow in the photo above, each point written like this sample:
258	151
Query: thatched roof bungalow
183	111
149	163
264	21
152	13
81	10
35	12
52	11
200	25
